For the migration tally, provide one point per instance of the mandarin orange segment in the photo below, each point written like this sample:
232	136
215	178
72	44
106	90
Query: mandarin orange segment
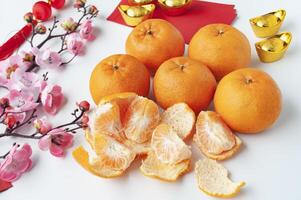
108	157
110	153
107	120
212	134
141	118
168	146
152	167
138	148
181	118
123	100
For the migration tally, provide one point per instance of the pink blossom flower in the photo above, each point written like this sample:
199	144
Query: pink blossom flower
25	80
28	17
40	28
16	163
79	3
27	57
52	98
57	140
93	10
21	101
42	125
47	58
86	30
11	65
69	24
75	44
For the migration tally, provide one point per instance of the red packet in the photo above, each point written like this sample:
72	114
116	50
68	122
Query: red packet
200	14
4	185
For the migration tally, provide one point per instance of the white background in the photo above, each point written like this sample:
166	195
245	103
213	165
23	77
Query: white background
270	162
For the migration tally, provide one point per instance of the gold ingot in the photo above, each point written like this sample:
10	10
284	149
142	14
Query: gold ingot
134	15
139	2
273	48
175	7
268	24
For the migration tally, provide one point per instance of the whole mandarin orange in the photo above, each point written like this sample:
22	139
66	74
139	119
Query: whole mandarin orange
119	73
155	41
248	100
221	47
182	79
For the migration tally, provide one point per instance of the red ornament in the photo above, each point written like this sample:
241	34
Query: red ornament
41	10
57	4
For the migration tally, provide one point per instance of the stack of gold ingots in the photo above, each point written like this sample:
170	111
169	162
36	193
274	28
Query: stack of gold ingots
140	10
275	45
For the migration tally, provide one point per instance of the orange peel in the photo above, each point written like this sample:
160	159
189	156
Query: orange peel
154	168
212	179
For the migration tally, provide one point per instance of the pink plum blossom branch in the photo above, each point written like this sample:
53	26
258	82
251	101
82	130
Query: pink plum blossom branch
77	121
26	91
89	12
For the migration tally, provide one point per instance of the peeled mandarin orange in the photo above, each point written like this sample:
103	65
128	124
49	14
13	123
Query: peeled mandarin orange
141	118
248	100
153	167
154	41
119	73
221	47
214	138
168	146
182	79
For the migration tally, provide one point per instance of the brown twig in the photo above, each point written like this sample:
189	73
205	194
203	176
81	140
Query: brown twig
38	135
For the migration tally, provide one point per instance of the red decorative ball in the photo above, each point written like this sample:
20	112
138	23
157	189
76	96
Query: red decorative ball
57	4
41	10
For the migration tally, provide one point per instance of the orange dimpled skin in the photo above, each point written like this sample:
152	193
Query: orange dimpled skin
221	47
119	73
155	41
248	100
182	79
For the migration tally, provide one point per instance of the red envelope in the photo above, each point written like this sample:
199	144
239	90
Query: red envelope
200	14
4	185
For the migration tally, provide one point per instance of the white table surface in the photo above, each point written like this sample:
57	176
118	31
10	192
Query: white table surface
270	162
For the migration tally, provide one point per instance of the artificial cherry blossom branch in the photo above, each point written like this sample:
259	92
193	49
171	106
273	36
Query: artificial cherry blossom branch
4	156
89	13
70	27
80	121
26	91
